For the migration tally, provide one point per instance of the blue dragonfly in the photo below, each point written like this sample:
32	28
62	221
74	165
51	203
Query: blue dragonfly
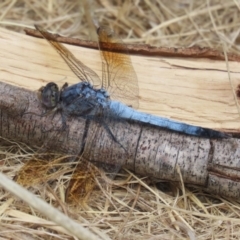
92	97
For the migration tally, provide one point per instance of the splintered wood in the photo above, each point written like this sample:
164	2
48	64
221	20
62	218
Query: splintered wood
193	90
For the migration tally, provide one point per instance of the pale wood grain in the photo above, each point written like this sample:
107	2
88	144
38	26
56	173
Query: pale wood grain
196	91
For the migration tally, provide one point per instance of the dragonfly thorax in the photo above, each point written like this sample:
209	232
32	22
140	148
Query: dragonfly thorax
82	99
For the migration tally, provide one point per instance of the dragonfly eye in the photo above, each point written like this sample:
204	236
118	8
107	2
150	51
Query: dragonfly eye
49	95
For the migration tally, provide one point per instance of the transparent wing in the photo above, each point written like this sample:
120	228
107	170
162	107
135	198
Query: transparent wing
119	76
83	72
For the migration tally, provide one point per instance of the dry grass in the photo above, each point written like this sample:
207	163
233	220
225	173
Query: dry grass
131	207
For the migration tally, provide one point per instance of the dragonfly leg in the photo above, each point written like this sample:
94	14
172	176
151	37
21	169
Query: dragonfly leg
64	121
109	131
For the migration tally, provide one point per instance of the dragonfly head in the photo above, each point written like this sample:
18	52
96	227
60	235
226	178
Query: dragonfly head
49	95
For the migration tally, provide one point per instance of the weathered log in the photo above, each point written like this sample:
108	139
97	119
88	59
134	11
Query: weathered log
151	151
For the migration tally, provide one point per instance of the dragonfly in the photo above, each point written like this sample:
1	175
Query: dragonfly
114	97
93	96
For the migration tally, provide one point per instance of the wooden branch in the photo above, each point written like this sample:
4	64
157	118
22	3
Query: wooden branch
148	50
192	90
150	151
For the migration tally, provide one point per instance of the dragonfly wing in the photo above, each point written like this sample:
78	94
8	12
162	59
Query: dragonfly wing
119	76
83	72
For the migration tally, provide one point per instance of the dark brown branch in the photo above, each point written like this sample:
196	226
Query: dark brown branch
148	50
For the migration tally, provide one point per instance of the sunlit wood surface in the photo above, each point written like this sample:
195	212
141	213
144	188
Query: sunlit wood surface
196	91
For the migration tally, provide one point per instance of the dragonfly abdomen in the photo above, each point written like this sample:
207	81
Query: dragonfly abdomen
123	111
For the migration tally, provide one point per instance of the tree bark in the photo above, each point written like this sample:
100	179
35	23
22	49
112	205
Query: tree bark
151	151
